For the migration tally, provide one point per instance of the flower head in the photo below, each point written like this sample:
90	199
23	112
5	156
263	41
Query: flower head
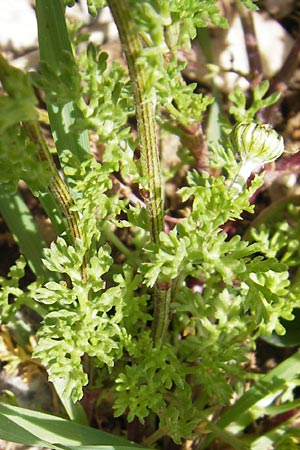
257	145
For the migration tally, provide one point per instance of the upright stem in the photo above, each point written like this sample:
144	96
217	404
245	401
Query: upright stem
145	113
57	186
14	82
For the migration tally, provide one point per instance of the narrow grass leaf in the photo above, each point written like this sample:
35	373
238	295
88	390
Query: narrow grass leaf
12	432
21	223
53	42
74	410
56	431
275	380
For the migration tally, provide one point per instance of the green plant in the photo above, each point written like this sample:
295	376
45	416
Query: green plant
160	318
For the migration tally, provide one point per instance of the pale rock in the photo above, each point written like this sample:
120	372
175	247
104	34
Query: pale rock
229	52
18	29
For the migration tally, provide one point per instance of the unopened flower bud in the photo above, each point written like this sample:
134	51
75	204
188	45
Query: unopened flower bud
257	145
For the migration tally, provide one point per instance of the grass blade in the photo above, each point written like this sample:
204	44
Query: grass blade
21	223
53	42
239	416
11	432
275	380
55	431
74	410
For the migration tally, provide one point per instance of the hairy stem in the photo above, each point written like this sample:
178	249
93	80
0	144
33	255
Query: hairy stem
57	186
145	114
15	81
144	100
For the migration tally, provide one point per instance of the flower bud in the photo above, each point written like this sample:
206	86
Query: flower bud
257	145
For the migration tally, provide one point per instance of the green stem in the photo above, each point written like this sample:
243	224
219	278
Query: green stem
145	114
144	100
57	186
13	79
154	437
113	238
162	300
